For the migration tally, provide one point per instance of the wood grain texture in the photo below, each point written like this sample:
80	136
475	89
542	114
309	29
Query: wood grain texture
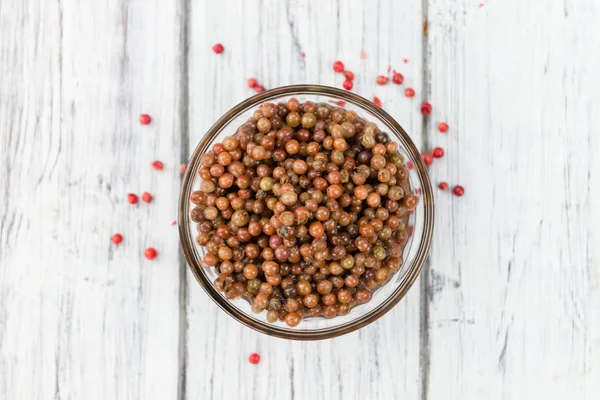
514	272
507	305
80	318
381	361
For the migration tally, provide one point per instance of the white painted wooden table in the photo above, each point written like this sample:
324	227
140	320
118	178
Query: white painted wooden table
508	305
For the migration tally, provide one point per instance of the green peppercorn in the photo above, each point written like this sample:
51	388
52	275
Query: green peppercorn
368	141
347	261
266	183
253	285
379	252
240	218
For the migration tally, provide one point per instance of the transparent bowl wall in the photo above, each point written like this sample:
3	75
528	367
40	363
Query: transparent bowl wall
385	297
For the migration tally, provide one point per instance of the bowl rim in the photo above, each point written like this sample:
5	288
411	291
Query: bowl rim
372	315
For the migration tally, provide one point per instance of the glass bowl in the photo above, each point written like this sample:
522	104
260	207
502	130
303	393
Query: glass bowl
383	298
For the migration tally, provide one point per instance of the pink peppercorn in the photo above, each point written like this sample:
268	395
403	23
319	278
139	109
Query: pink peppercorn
150	253
116	238
458	190
377	101
438	152
382	80
427	158
252	82
157	165
443	185
254	358
338	66
409	92
425	108
147	197
218	48
397	78
348	84
132	198
443	127
145	119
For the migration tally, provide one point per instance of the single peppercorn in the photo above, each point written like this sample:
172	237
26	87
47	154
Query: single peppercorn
409	92
458	190
338	66
427	158
132	198
218	48
157	165
116	238
145	119
397	78
147	197
348	84
443	127
443	185
150	253
382	80
426	109
254	358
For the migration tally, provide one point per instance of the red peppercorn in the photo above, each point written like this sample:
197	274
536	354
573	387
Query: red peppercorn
410	165
254	358
182	168
427	158
425	108
443	185
147	197
377	101
438	152
382	80
348	84
150	253
349	75
218	48
259	88
132	198
338	66
405	60
458	190
157	165
252	83
397	78
116	238
145	119
409	92
443	127
174	223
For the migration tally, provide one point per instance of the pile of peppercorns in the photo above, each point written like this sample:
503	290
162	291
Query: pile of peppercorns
304	211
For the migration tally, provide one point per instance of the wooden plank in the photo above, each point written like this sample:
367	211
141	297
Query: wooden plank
80	318
265	40
513	284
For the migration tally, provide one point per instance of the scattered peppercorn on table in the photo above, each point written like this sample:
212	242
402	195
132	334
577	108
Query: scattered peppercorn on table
101	106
